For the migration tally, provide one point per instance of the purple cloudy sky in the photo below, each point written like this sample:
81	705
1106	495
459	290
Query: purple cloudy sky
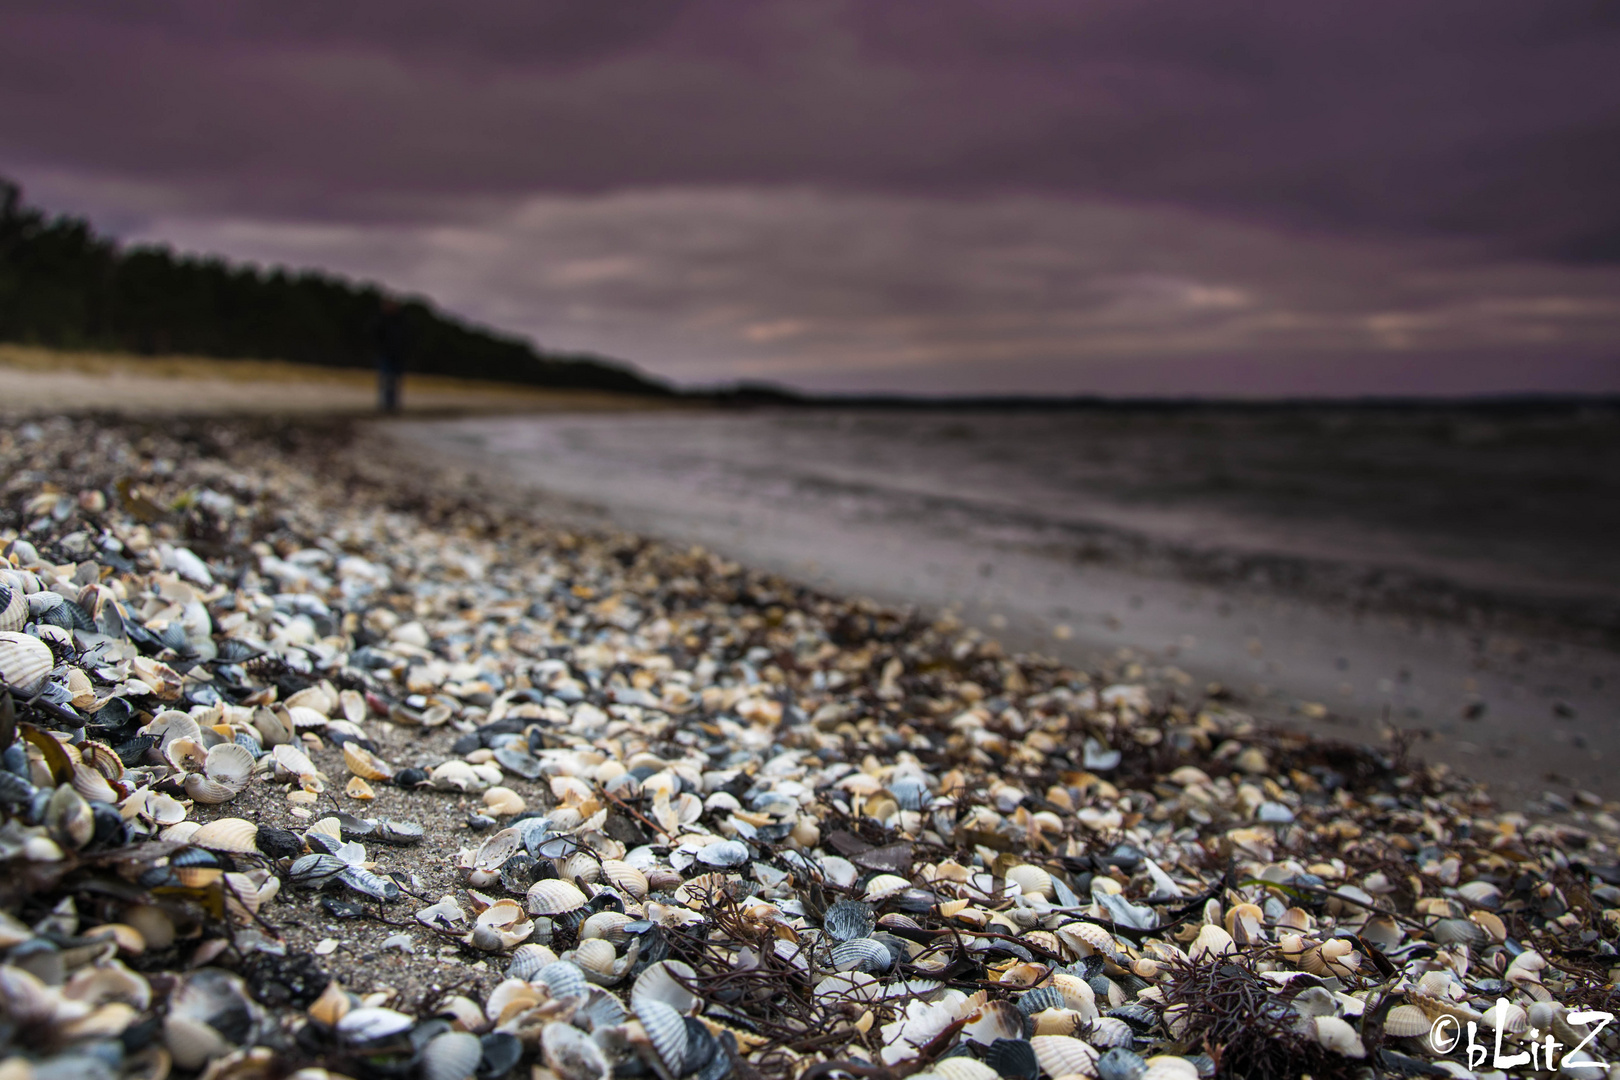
926	195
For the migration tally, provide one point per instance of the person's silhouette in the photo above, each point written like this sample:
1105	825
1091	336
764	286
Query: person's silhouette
389	341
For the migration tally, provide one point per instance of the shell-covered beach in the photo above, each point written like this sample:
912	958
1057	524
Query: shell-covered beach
318	765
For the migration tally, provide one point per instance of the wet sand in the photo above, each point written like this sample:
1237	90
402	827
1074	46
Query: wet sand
1447	575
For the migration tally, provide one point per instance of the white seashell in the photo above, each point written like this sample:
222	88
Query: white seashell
658	983
228	834
553	896
993	1020
886	885
371	1023
201	789
294	761
1165	1067
25	661
608	925
594	955
621	875
456	775
1514	1018
528	961
573	1055
1480	892
1061	1055
666	1030
1338	1036
1107	1032
563	979
964	1068
1212	941
1031	880
1407	1022
89	783
452	1056
510	997
504	802
230	764
363	763
13	606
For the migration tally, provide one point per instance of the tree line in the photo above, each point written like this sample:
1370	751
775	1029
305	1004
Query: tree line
65	286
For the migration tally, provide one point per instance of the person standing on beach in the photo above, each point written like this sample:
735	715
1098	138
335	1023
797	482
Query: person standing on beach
389	342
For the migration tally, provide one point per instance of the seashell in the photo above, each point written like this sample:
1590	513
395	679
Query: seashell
1031	880
1339	1037
1407	1022
573	1055
208	996
511	997
527	961
666	1031
621	875
1109	1031
993	1020
862	954
594	956
69	817
608	925
1077	993
1164	1067
1335	957
92	785
1482	893
1490	923
1058	1022
228	834
13	608
846	920
25	661
399	833
1459	932
464	1013
1063	1055
315	870
201	789
364	764
1526	967
659	983
552	896
601	1010
1121	1064
1087	938
444	916
371	1024
1515	1019
563	979
357	788
293	761
726	853
1245	923
1298	920
452	1056
964	1068
503	802
1040	999
1211	942
883	886
369	884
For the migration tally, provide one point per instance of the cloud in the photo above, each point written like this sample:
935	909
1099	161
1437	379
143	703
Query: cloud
1014	294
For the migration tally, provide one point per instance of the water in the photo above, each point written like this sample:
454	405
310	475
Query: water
1448	572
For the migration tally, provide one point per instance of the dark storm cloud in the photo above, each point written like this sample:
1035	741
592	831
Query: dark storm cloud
1491	118
1004	195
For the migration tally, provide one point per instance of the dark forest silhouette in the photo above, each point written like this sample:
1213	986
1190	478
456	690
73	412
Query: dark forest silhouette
64	286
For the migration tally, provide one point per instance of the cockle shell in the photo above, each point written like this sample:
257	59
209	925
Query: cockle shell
1338	1036
1407	1022
25	661
227	834
1063	1055
452	1056
1032	880
627	878
363	763
552	896
658	982
666	1031
570	1054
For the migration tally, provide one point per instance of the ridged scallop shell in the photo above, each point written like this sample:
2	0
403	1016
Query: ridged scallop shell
964	1068
658	983
1106	1032
452	1056
1121	1064
1032	880
528	960
24	661
621	875
1482	893
1515	1019
227	834
846	920
993	1020
230	764
862	954
1170	1068
1064	1055
13	608
886	885
93	785
363	763
1407	1022
1459	932
1490	923
563	979
608	925
1087	938
1077	993
666	1030
595	955
204	790
293	760
552	896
